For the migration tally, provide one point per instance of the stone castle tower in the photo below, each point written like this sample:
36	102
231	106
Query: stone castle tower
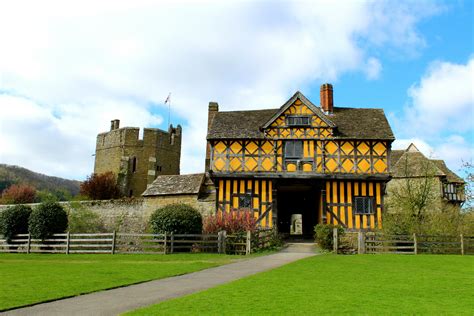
137	162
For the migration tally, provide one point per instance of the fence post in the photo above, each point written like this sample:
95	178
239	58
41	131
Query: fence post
334	241
224	237
219	242
462	245
415	244
67	242
114	236
165	246
28	248
172	242
360	243
248	244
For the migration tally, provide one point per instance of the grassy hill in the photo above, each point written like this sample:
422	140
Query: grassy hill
17	175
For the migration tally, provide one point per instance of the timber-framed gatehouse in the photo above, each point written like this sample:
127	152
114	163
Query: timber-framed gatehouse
329	164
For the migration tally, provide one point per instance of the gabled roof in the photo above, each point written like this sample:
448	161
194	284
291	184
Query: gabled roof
175	184
412	163
305	101
351	123
450	175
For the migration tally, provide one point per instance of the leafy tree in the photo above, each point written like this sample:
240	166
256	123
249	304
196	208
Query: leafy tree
102	186
468	169
19	194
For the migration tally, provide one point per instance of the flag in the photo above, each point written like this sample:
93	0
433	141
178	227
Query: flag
168	99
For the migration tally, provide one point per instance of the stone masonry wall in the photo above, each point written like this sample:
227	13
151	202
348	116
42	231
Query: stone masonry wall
131	215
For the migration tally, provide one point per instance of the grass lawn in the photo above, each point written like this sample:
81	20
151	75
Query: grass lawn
32	278
329	284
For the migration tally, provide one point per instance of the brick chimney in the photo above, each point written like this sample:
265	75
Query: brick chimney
327	102
213	109
114	124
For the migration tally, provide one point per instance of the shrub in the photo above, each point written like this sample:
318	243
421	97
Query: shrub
101	186
19	194
82	220
176	218
14	220
232	222
324	235
47	219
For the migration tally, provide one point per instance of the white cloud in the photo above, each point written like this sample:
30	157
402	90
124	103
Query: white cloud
373	68
440	113
444	98
75	66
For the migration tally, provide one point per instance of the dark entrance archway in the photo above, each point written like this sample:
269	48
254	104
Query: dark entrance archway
298	197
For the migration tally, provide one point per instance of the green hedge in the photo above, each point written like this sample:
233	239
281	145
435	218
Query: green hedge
176	218
14	220
47	219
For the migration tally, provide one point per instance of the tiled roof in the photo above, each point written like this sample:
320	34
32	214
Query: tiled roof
351	123
175	184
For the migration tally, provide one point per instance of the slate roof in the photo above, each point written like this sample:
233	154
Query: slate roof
450	175
351	123
175	184
415	164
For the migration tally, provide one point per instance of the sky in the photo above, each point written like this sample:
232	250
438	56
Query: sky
68	68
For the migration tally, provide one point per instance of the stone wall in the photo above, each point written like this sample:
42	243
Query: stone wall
131	215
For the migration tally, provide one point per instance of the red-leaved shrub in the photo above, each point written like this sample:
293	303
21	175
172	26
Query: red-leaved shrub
101	186
19	194
232	222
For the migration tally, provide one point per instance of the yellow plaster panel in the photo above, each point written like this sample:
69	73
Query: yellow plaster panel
379	148
307	167
380	166
220	147
236	147
363	165
235	164
291	167
348	165
363	148
251	148
331	147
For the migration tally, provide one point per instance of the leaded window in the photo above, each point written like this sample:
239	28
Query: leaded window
294	149
297	120
364	205
245	201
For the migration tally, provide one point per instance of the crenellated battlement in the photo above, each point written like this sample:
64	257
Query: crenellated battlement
137	160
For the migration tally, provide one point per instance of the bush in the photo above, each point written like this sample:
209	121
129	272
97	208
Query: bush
324	235
47	219
19	194
82	220
14	220
232	222
101	186
176	218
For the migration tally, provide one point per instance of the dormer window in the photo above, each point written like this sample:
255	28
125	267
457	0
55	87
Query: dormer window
298	120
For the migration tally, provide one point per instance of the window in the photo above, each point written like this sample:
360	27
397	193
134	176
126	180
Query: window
294	149
297	120
158	168
134	164
245	201
364	205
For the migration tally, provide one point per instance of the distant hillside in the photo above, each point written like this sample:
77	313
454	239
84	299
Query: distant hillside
17	175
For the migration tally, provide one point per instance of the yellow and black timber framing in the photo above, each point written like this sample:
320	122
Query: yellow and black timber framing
330	164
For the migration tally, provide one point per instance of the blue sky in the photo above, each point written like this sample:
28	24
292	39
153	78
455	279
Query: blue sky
66	70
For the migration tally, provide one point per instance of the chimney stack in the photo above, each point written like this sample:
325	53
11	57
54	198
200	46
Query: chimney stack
114	124
327	102
213	109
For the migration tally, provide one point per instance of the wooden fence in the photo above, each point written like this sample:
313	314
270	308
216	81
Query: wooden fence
111	243
374	242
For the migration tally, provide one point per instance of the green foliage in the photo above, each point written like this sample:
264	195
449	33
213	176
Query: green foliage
47	219
176	218
14	220
447	220
83	220
101	186
53	196
323	235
